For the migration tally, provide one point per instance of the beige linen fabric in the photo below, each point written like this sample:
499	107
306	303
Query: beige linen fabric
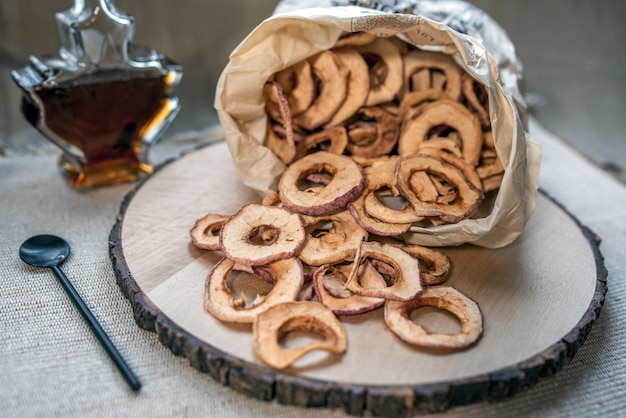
51	365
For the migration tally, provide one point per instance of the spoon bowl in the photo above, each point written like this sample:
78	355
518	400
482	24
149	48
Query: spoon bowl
44	251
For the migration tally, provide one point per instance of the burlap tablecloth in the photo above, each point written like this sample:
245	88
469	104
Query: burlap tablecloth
51	365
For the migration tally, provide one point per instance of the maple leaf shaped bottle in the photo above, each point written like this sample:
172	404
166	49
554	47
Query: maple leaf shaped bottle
102	99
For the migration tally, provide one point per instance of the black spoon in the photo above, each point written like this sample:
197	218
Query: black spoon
50	251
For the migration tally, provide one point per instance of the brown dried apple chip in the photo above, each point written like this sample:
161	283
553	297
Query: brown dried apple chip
372	132
425	69
312	317
391	208
358	84
385	68
258	234
490	169
434	264
331	238
283	147
331	76
333	140
397	317
476	99
355	39
341	300
405	283
298	87
445	113
373	225
346	181
221	303
413	102
468	170
205	232
468	196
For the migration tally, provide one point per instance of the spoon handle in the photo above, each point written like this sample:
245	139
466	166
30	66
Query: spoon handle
131	378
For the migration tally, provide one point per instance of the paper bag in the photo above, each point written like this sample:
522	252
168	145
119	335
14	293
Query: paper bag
294	34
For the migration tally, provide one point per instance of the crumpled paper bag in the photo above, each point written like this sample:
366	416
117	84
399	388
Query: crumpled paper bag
293	34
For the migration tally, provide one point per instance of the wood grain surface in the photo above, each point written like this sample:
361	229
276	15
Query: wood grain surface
539	298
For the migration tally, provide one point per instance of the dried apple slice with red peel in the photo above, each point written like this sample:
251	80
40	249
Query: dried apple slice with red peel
332	76
468	170
273	323
406	281
442	297
258	234
358	84
434	264
344	301
221	303
448	113
469	197
413	103
205	232
355	39
427	63
380	133
385	68
375	208
476	96
333	140
337	242
347	182
297	84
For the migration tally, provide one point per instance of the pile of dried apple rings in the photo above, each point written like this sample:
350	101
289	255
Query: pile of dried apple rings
377	136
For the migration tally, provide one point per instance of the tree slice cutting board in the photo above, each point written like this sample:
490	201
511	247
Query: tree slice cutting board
539	298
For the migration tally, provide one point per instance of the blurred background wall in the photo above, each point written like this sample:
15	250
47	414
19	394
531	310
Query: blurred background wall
572	52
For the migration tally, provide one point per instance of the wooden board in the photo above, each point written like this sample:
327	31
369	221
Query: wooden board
539	298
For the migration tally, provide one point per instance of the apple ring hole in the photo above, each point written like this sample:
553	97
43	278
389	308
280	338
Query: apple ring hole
294	339
247	288
386	198
263	235
435	320
316	178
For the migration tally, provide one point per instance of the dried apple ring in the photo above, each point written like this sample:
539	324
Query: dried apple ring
333	140
344	301
258	234
490	170
332	76
273	323
205	233
428	64
442	297
283	147
373	132
468	170
477	99
468	196
355	39
373	225
358	84
384	211
297	84
330	243
346	182
271	199
434	264
405	269
221	303
385	68
414	102
447	113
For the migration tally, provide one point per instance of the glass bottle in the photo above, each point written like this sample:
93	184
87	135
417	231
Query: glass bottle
103	100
